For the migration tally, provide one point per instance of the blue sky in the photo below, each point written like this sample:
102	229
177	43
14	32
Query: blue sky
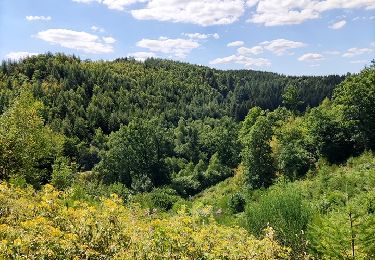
294	37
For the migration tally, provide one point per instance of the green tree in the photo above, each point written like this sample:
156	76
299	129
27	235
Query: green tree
332	135
186	143
257	153
356	97
215	172
292	98
135	156
249	122
28	148
63	173
293	149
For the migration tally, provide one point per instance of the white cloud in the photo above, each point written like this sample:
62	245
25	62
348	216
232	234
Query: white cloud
281	46
201	12
142	56
19	55
109	40
177	47
201	36
276	12
82	41
356	51
311	57
240	59
112	4
119	4
38	18
251	3
358	61
96	29
338	25
235	44
344	4
249	51
215	12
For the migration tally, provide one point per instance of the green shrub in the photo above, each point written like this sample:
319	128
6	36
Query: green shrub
62	173
283	209
88	187
236	203
161	199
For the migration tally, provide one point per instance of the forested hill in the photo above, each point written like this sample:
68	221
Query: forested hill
108	94
189	113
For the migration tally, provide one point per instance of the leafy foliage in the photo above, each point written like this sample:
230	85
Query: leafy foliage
236	203
135	156
109	230
28	148
283	209
256	155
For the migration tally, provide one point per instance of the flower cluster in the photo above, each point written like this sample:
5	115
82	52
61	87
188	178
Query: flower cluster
47	224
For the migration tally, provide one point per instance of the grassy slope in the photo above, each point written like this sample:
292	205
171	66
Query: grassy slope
325	190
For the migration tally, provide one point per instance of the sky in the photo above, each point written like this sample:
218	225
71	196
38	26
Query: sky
292	37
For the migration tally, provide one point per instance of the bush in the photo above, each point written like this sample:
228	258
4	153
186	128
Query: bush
186	181
236	203
162	199
283	209
88	187
39	225
62	173
215	172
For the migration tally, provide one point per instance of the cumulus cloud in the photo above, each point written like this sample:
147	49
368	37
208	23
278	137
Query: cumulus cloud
38	18
356	51
109	40
338	25
309	57
201	12
112	4
276	12
142	56
201	36
251	3
281	46
177	47
82	41
240	59
250	51
119	4
19	55
235	44
215	12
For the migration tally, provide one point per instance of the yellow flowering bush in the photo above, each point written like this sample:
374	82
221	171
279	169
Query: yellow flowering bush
46	224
